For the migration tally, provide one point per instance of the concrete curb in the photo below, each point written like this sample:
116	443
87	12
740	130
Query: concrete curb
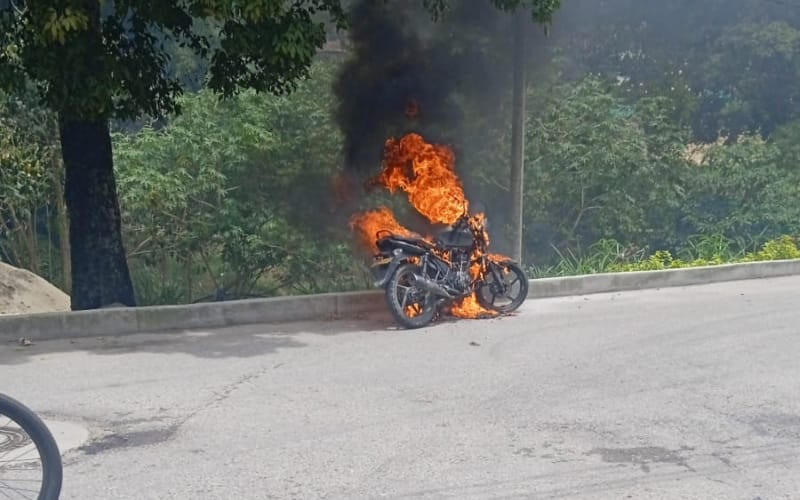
639	280
122	321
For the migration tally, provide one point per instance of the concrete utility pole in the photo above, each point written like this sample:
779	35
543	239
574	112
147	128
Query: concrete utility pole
518	133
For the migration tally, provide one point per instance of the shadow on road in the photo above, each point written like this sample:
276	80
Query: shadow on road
230	342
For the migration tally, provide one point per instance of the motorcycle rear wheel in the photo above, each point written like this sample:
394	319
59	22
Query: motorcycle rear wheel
410	306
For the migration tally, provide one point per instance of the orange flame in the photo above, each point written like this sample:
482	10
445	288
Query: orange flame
426	174
469	308
369	224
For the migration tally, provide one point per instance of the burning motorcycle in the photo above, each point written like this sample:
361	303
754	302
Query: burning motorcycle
421	278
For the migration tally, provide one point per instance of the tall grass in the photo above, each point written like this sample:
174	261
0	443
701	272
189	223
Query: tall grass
700	250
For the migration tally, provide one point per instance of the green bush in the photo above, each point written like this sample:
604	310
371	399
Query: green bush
234	197
608	256
782	248
600	167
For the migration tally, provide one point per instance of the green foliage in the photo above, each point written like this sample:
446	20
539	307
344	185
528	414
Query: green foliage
233	198
756	64
735	60
784	140
661	259
603	167
24	186
237	194
608	256
782	248
103	59
743	189
159	286
715	247
23	175
598	258
27	153
599	167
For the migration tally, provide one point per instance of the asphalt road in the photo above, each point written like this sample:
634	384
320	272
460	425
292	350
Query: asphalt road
673	393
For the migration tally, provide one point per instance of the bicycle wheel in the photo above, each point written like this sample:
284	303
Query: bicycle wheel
30	463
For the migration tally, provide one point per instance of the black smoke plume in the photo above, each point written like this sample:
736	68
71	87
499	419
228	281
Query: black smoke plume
408	73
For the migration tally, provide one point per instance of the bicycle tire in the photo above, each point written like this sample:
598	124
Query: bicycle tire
28	421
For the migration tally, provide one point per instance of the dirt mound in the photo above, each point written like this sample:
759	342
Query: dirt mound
22	292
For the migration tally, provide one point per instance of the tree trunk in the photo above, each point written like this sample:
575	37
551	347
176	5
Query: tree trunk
100	273
518	135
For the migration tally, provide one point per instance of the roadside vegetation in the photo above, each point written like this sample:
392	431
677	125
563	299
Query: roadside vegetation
674	155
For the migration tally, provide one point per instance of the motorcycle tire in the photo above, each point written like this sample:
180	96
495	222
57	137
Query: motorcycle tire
417	314
487	291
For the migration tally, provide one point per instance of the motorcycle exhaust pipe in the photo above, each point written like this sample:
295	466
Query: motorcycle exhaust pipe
430	286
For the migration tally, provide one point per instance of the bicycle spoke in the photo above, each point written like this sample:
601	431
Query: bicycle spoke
7	484
20	467
26	451
26	447
5	495
18	458
4	482
4	488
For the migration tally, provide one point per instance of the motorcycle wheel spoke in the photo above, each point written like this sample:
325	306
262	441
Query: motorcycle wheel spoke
404	302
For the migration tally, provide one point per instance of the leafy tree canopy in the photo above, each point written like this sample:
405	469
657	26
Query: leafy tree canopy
97	59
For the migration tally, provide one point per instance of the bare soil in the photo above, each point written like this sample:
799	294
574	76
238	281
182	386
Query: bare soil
22	292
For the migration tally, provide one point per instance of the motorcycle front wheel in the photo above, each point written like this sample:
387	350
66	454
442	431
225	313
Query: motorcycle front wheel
410	306
504	288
